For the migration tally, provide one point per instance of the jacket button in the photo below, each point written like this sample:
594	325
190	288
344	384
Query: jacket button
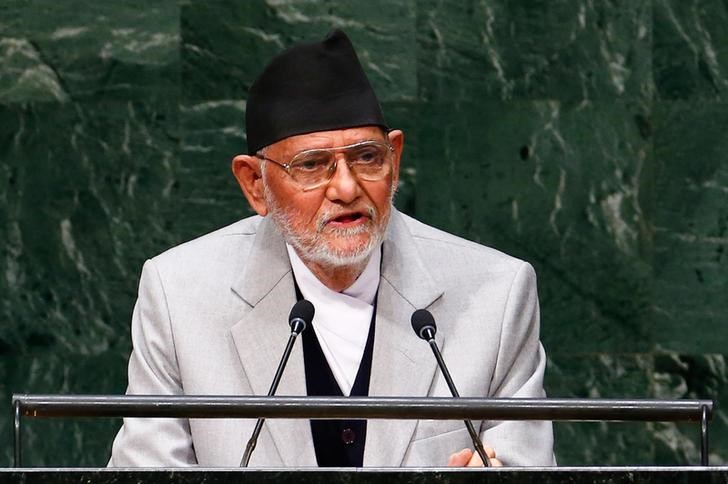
348	436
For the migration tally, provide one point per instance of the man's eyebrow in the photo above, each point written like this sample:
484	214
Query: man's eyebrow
384	140
326	148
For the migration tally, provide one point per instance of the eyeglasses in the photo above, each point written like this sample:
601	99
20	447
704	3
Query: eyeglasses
368	160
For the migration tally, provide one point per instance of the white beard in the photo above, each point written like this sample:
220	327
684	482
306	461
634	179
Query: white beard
312	248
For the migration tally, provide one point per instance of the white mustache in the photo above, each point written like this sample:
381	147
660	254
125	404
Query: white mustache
328	216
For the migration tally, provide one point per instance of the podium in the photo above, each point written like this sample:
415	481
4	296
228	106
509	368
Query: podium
189	406
535	475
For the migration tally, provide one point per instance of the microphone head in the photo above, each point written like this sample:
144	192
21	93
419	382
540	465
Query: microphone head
301	315
424	324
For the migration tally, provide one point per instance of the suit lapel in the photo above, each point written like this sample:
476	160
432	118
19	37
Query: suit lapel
260	338
402	364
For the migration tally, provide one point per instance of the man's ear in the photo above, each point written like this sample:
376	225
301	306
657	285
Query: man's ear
248	173
396	139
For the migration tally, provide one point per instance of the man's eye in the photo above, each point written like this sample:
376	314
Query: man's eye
368	156
311	164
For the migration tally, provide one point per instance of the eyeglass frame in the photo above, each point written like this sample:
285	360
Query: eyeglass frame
332	170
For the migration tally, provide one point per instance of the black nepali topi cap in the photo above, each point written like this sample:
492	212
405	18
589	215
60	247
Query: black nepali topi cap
309	87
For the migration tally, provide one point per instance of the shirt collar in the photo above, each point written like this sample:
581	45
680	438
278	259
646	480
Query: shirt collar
364	287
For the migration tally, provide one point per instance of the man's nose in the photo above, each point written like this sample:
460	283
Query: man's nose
343	186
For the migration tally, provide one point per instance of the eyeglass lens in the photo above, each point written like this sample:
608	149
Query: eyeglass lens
369	161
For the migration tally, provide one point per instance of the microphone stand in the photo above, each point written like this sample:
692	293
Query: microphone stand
430	337
250	447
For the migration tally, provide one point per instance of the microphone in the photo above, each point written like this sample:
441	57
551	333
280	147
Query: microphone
300	317
424	325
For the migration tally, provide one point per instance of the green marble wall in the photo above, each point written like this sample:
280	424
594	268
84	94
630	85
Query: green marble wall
586	137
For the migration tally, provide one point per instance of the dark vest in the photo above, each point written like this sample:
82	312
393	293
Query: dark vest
338	443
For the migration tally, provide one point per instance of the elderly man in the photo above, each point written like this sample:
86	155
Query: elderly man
321	170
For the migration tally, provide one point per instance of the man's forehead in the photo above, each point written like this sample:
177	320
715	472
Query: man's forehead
326	139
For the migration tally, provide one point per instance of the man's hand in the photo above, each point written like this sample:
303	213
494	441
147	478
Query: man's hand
468	458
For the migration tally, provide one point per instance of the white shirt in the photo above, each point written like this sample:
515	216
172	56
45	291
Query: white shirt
342	319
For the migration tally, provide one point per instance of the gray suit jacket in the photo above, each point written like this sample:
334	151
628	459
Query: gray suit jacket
211	319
